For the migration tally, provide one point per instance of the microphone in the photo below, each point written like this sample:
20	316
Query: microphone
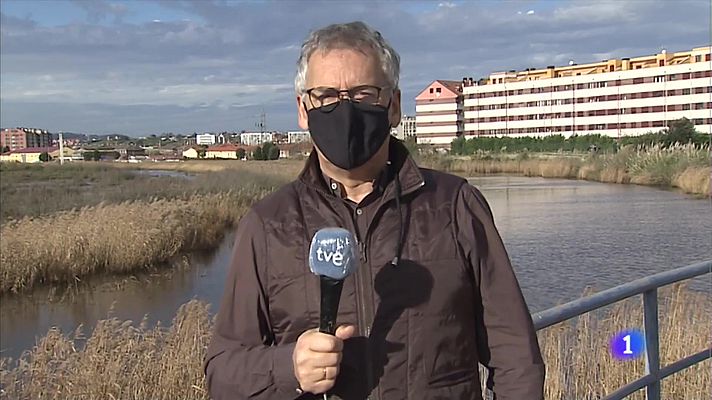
332	256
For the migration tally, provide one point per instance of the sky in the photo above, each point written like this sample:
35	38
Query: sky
149	67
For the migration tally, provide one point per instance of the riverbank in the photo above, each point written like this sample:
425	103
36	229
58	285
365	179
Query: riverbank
684	167
122	360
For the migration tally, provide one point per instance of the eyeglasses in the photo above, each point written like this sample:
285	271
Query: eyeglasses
326	98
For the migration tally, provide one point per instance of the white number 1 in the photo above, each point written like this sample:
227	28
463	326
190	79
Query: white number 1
627	350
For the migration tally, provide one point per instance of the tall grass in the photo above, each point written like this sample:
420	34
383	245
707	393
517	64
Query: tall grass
686	167
114	238
118	361
123	361
36	190
122	224
580	366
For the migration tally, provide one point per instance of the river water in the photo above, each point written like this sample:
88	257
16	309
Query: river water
563	236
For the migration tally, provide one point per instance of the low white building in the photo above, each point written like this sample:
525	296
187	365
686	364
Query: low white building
255	138
190	153
207	139
298	136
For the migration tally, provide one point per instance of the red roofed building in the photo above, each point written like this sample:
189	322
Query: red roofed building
439	113
227	150
29	155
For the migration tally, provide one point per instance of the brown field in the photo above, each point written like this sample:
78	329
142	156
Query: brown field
120	360
31	190
284	168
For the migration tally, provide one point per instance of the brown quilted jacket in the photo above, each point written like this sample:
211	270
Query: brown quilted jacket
451	302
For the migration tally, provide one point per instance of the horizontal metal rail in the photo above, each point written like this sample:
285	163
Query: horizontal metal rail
648	287
575	308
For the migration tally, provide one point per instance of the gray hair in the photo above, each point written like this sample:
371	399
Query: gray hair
354	35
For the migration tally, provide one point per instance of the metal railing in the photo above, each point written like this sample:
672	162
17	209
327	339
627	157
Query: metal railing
648	286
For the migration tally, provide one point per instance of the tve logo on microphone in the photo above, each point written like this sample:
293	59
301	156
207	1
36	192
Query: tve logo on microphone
332	253
628	344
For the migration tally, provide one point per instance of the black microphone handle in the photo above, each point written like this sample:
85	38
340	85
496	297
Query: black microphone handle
330	296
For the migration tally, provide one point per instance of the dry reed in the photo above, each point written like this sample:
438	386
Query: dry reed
114	238
118	361
580	365
686	167
122	361
63	230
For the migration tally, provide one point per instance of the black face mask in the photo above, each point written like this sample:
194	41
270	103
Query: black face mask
351	133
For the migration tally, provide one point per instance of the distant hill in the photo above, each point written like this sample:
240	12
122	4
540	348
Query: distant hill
69	135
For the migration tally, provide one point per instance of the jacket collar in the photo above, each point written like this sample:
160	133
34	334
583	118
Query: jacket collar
411	178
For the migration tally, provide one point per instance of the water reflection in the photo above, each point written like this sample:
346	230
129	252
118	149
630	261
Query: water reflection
156	295
564	236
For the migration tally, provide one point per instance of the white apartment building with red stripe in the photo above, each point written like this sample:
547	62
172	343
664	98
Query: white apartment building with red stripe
625	97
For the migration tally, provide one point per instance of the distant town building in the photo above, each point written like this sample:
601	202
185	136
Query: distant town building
130	151
69	142
298	136
21	138
190	153
255	138
205	139
222	151
405	129
279	138
618	97
222	138
30	155
294	150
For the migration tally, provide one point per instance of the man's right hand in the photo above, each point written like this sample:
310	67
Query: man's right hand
317	357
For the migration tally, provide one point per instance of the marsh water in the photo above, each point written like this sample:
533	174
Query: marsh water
562	236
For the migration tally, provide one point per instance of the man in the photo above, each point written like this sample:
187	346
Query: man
435	293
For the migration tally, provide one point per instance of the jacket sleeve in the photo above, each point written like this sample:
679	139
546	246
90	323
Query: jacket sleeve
242	361
507	342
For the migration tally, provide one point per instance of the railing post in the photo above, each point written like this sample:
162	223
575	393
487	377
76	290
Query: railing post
652	342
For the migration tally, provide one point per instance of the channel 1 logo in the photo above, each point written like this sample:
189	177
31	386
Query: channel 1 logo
628	344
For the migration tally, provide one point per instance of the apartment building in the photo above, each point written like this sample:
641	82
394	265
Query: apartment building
205	139
22	138
255	138
439	113
619	97
405	129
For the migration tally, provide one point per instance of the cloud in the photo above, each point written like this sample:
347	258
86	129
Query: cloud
98	10
241	56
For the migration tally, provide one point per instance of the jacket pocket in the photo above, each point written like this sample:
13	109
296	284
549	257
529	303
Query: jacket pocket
450	356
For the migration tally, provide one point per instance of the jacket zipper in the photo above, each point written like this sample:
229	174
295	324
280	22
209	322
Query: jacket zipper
364	297
367	310
364	302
